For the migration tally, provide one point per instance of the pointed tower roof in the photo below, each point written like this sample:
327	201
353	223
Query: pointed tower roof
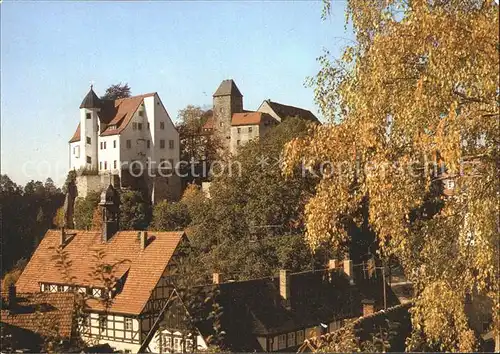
91	100
228	88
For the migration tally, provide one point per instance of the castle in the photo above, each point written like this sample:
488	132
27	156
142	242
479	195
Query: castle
130	141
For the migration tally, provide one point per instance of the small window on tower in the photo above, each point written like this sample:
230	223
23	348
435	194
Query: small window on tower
89	160
148	126
170	144
162	125
129	144
105	165
114	164
88	140
134	125
104	145
139	126
88	115
141	113
148	144
162	144
114	143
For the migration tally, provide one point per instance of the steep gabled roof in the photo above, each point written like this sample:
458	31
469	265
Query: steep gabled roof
285	111
140	269
115	113
41	313
228	88
91	100
250	118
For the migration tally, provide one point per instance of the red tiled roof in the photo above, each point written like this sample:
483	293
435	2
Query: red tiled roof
42	313
144	267
116	112
76	136
209	124
250	118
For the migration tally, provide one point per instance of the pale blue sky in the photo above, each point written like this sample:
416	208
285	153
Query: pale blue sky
51	51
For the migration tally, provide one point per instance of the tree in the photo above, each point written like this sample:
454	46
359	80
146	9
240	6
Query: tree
135	211
417	90
252	224
170	216
116	91
84	210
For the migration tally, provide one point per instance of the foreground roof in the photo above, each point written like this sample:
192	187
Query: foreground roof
285	111
139	270
41	313
255	307
228	88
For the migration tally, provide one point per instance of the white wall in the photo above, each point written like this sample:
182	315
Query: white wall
110	154
89	128
76	159
265	108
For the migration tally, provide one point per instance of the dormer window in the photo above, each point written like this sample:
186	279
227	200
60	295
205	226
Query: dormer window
88	115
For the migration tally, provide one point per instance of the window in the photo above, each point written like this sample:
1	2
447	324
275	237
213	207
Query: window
104	145
249	129
221	124
114	164
89	159
291	339
170	144
148	144
162	125
148	126
239	130
88	140
100	145
299	336
162	144
114	143
129	144
238	142
88	115
126	351
100	165
96	292
139	126
177	345
134	126
141	113
282	341
60	288
128	324
102	322
105	165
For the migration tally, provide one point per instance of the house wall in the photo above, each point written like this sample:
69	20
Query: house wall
86	184
266	108
244	136
109	155
114	332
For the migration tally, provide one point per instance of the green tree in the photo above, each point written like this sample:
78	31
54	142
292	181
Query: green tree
116	91
84	210
418	89
169	216
252	218
135	211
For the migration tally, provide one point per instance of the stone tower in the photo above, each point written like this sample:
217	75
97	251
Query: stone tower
227	100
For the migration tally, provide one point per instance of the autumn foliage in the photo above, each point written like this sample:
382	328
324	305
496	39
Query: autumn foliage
412	103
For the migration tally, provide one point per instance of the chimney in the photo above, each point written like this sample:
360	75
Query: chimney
368	307
143	238
63	236
12	297
348	270
285	287
217	278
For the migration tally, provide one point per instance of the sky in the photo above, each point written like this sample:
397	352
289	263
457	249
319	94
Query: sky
52	51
